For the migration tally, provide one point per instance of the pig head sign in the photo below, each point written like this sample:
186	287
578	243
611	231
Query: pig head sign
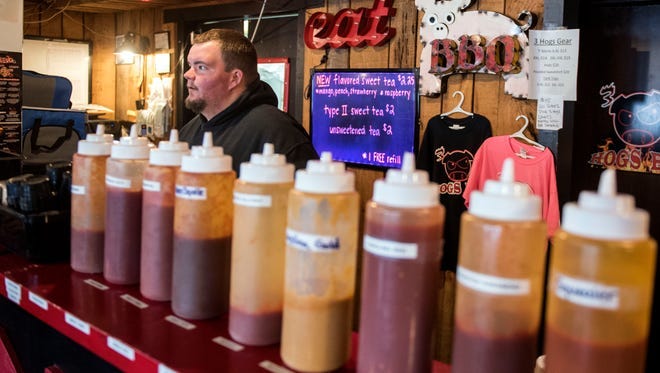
633	143
457	41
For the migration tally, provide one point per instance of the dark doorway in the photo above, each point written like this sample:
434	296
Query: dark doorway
620	60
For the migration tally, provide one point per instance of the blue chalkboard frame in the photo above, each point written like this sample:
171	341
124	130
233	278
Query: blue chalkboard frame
367	118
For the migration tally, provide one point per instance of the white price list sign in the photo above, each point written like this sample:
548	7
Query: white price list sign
553	61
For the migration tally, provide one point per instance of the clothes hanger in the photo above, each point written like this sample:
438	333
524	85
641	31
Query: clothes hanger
520	134
458	108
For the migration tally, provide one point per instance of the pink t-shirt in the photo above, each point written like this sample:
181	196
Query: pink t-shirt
537	171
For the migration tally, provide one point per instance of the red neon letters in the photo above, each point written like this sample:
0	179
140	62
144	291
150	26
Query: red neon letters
352	28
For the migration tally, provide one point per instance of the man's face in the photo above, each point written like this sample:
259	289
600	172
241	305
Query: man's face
208	83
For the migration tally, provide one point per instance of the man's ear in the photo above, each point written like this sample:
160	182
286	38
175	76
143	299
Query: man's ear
236	78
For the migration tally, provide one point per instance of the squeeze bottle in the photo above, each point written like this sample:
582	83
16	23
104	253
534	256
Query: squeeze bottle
158	217
600	284
123	213
88	201
321	249
203	217
258	245
400	268
500	273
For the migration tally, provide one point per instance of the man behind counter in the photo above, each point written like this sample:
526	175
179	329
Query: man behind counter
231	101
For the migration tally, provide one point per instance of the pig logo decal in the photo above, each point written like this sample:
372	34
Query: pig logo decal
636	117
455	40
457	163
635	142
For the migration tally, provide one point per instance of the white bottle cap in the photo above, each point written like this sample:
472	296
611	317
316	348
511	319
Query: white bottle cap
325	176
406	187
206	159
96	144
169	153
267	167
131	147
606	214
506	199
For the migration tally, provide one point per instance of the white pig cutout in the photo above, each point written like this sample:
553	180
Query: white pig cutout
447	19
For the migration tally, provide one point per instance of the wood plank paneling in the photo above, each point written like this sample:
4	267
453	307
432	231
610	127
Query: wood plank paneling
403	49
100	29
72	26
51	25
337	57
312	58
31	20
488	90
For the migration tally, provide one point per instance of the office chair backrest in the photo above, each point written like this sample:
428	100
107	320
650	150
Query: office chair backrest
48	91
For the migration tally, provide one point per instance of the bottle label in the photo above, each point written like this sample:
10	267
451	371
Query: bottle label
151	186
491	284
190	192
117	182
587	293
252	200
78	189
390	249
311	242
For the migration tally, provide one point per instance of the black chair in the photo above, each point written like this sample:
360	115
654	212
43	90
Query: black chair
49	91
50	129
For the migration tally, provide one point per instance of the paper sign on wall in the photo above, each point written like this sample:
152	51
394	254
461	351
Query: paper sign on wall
550	113
554	63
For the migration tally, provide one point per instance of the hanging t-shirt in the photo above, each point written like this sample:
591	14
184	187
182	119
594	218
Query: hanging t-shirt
532	166
447	152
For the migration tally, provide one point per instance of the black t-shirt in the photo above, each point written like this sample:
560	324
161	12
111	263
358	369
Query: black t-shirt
447	151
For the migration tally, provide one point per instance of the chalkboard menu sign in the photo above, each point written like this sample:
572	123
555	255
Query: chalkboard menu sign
365	117
10	101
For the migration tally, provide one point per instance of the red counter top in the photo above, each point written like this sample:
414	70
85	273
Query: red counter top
129	331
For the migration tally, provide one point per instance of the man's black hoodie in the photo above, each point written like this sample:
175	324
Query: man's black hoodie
252	120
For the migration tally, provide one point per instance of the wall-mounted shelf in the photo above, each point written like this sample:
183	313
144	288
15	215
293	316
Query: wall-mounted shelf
132	333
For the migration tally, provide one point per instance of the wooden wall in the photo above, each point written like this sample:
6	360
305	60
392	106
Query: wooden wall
119	86
133	80
114	86
484	93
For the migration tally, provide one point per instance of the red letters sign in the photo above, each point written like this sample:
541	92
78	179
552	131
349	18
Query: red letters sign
500	55
352	28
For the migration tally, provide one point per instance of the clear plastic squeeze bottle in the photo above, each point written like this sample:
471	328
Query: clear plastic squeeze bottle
203	218
400	267
123	213
500	273
321	249
257	261
600	284
158	217
88	201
